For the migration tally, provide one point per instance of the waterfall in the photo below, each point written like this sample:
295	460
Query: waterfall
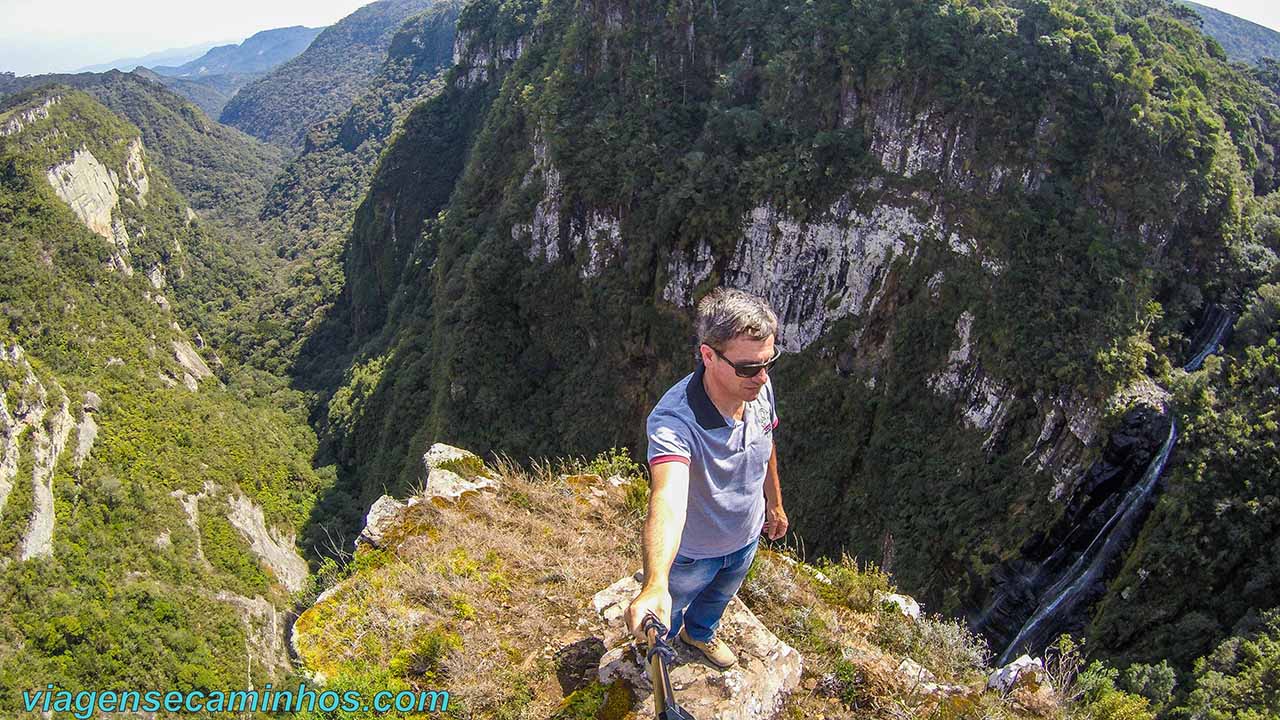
1217	327
1065	596
1073	586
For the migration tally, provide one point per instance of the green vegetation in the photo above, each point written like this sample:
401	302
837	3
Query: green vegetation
1240	39
1149	165
220	171
127	599
308	212
334	69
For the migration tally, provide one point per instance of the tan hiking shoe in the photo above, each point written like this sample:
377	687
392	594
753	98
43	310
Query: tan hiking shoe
715	651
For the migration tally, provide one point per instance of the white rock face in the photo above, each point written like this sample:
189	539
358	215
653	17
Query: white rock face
910	139
598	232
90	189
906	604
46	438
93	193
278	551
86	434
753	689
444	483
87	429
135	172
46	446
1072	428
812	273
265	629
21	120
475	61
26	413
985	402
191	507
190	360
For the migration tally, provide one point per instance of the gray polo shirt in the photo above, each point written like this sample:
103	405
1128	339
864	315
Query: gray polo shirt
727	461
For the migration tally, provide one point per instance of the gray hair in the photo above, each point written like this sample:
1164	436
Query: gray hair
726	313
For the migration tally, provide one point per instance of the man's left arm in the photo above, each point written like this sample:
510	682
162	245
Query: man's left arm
775	518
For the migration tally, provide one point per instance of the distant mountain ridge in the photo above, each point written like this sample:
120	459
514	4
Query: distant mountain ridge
170	56
215	77
1242	39
262	52
325	79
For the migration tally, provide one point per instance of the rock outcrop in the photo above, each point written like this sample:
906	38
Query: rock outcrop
753	689
194	366
277	550
453	471
93	192
47	443
30	426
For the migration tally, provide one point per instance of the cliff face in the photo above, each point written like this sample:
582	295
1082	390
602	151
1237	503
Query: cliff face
981	231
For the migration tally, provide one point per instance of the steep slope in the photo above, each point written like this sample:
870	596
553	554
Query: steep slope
1242	40
223	173
148	512
324	79
987	232
509	599
309	209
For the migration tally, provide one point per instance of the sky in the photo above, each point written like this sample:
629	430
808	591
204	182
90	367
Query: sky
39	36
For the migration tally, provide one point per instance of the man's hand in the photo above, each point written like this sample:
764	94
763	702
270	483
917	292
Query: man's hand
775	522
651	599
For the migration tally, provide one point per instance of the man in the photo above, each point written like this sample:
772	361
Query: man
714	475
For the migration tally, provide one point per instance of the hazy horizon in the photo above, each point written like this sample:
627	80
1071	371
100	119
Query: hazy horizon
82	34
38	39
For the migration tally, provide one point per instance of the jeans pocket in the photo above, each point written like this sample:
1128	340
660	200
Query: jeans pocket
682	561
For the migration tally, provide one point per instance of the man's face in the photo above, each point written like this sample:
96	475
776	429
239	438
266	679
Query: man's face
741	350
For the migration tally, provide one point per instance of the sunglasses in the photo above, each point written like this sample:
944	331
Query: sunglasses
746	370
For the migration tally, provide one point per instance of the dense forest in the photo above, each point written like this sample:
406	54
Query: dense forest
995	233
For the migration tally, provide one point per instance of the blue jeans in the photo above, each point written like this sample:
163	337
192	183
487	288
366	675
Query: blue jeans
701	589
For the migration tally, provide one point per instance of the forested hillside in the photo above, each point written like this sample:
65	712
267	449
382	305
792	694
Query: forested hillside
308	212
222	172
149	509
1024	254
992	233
1242	40
325	79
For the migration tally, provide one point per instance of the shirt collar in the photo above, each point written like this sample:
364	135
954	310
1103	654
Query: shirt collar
704	411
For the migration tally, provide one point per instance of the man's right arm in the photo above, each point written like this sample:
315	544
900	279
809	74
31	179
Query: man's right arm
668	498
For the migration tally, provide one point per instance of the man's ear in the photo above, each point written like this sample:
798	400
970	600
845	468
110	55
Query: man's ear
705	353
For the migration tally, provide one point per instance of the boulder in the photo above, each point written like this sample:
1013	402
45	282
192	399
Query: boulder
905	604
443	478
753	689
1007	677
382	516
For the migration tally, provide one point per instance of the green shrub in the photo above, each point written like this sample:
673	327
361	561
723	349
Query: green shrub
858	590
1153	682
426	656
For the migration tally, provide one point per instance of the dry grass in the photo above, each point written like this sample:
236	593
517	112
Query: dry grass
510	573
850	670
